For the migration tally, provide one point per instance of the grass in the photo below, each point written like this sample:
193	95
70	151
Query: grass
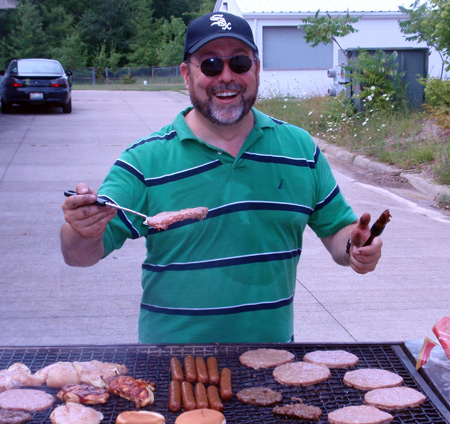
131	87
403	138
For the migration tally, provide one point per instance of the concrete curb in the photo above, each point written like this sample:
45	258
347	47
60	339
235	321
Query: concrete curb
416	180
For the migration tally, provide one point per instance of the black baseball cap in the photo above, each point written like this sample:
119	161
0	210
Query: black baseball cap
216	25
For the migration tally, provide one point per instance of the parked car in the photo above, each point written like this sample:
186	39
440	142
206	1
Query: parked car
36	82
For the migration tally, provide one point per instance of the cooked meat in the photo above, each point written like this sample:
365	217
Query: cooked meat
58	375
13	377
298	410
29	400
96	372
361	414
301	374
259	396
74	413
394	398
161	221
332	358
138	391
14	417
371	378
265	358
86	394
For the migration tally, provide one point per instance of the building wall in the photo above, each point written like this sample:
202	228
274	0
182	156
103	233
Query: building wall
375	30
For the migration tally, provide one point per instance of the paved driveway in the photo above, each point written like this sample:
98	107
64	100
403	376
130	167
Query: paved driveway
45	302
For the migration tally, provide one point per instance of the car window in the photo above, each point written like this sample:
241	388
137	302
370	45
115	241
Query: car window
39	67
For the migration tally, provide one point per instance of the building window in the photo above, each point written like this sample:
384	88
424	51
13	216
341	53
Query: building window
285	48
225	5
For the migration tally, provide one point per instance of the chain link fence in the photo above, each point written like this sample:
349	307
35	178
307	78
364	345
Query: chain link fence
128	75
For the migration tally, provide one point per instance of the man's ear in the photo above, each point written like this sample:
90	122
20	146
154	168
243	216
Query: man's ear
184	70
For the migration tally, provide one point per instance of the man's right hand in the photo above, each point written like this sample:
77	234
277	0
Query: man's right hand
86	218
82	233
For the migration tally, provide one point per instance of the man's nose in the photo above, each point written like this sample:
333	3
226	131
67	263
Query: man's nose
227	74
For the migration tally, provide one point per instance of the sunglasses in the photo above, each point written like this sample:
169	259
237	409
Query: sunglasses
213	66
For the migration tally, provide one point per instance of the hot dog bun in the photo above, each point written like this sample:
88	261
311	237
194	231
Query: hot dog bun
201	416
140	417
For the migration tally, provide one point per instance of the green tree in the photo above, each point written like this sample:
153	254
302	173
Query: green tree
27	38
72	52
425	26
326	29
170	49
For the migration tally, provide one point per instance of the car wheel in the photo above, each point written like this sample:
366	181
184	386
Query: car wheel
6	107
67	108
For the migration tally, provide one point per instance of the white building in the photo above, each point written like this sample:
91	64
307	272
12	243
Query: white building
290	66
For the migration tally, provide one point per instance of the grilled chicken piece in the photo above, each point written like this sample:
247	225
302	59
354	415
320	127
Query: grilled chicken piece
58	374
74	413
17	375
97	372
138	391
86	394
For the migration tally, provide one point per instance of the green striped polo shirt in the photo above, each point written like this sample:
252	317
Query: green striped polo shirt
231	277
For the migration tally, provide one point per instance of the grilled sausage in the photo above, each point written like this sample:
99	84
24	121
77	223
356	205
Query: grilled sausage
214	399
202	371
201	398
189	369
226	392
187	396
174	396
213	370
176	370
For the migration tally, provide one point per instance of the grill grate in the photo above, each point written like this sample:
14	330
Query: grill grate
151	362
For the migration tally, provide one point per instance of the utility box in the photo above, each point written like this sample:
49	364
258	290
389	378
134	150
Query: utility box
412	61
340	79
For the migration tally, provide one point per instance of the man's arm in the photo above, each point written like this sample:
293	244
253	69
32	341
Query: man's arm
361	259
82	233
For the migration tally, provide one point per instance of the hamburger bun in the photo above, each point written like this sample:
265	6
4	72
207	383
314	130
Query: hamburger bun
140	417
201	416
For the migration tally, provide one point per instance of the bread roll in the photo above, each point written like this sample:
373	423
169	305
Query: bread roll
140	417
201	416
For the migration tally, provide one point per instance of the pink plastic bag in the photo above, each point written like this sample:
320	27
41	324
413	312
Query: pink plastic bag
442	331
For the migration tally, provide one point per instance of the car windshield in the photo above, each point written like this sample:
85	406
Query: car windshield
39	67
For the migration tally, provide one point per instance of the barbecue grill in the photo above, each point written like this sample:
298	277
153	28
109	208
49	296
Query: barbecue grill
152	362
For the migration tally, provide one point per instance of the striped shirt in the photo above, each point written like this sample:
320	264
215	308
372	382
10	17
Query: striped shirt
230	277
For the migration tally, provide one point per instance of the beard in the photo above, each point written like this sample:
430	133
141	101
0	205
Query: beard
224	115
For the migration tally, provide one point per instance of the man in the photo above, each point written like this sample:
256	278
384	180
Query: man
230	277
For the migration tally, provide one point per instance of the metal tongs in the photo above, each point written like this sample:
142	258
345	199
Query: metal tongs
103	202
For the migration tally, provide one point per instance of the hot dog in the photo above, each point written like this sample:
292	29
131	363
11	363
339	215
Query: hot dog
187	396
226	391
176	370
201	398
174	396
214	399
202	372
213	370
189	369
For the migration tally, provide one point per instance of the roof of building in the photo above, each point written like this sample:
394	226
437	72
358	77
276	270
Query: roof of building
8	4
295	6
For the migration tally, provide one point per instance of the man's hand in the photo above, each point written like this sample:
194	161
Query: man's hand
82	233
364	259
87	219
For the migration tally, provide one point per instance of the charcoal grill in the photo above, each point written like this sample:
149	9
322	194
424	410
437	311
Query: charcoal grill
151	362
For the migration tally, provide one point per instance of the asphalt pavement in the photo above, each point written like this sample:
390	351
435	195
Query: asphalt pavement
45	302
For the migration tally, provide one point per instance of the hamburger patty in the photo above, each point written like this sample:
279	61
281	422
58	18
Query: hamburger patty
298	410
332	358
301	374
371	378
265	358
361	414
29	400
259	396
394	398
14	417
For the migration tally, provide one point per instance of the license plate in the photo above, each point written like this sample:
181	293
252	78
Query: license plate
36	96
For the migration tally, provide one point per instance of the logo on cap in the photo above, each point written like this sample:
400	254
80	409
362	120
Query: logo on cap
220	21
